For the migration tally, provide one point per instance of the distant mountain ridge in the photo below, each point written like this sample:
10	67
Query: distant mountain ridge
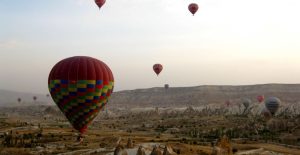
203	95
10	98
174	96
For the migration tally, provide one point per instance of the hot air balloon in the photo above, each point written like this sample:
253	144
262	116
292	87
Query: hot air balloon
100	3
227	103
193	8
272	104
80	86
34	98
19	100
260	98
157	68
246	102
166	86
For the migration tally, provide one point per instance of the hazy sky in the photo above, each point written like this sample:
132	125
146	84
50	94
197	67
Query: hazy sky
226	42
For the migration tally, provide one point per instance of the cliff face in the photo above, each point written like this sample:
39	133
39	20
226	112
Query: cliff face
202	95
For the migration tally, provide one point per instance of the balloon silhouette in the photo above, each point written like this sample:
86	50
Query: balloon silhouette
227	103
166	86
260	98
100	3
81	87
246	102
157	68
272	104
193	8
34	98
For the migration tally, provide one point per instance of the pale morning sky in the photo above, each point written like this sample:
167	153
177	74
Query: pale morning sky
229	42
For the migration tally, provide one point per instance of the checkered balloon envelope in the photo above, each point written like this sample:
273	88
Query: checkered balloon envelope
80	86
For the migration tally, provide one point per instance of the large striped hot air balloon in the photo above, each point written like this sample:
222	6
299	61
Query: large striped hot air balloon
81	87
272	104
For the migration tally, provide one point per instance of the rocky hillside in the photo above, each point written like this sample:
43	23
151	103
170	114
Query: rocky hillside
202	95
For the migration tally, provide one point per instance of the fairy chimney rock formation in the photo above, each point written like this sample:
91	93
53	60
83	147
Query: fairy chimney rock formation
156	151
141	151
169	151
120	150
129	143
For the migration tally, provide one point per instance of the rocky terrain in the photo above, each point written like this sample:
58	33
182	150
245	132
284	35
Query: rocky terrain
174	96
202	95
188	131
189	119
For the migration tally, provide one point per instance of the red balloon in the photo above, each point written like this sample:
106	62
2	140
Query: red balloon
260	98
227	103
157	68
100	3
193	7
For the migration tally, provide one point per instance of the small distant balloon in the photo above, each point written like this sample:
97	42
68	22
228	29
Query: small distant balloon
193	8
100	3
272	104
47	95
260	98
157	68
34	98
166	86
19	100
227	103
246	102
